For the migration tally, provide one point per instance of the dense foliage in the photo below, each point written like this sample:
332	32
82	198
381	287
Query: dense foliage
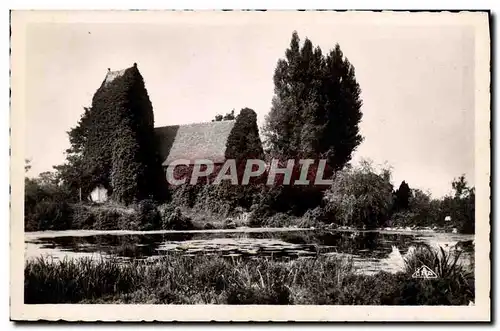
121	107
127	172
45	207
462	208
244	142
316	108
215	280
227	117
452	212
402	196
71	174
360	197
46	202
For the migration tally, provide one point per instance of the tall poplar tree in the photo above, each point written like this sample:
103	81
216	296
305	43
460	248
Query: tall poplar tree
316	108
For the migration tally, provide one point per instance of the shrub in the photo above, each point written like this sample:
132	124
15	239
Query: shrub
360	196
50	215
249	285
444	264
106	219
258	215
208	226
129	222
295	200
317	214
148	217
215	199
184	195
83	218
277	220
229	224
225	199
440	291
424	210
177	221
365	290
454	284
462	211
403	219
46	204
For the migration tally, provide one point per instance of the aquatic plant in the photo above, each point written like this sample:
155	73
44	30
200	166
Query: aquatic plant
453	284
443	263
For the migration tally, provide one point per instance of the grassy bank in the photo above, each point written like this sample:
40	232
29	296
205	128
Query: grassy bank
146	216
215	280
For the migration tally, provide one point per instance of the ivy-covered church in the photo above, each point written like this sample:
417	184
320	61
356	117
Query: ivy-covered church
125	156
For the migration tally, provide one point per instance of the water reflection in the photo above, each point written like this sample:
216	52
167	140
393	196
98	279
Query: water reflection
367	244
371	251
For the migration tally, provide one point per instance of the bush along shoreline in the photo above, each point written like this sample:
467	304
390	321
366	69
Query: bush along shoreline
176	279
147	216
359	198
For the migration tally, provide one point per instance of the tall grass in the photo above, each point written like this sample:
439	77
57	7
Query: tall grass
217	280
454	283
443	263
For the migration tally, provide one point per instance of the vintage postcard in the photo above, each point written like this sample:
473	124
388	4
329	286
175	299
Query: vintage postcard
250	166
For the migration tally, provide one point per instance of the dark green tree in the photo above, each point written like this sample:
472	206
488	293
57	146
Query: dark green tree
464	205
244	142
402	196
45	203
27	165
460	186
340	136
218	118
70	173
316	108
284	117
227	117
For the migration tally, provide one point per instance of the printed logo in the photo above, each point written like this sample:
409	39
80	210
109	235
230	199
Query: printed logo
424	272
245	172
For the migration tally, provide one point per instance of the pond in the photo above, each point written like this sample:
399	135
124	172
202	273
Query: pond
371	251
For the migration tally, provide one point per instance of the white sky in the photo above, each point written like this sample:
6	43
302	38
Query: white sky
417	82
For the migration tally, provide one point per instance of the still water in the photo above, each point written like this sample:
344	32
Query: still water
371	251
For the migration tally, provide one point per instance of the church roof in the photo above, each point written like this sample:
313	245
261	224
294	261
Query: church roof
194	141
111	75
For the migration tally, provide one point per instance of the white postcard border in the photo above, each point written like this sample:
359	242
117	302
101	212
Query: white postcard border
479	312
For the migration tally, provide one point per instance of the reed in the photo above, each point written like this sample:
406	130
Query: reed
176	279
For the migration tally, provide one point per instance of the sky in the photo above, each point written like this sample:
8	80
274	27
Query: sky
417	82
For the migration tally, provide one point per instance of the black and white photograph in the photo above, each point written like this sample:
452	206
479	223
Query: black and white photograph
250	165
